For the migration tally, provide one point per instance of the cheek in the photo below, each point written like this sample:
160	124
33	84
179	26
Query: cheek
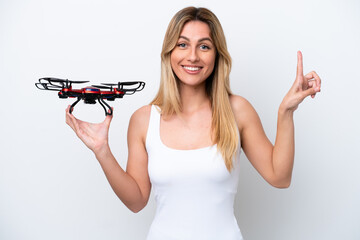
211	63
174	65
174	59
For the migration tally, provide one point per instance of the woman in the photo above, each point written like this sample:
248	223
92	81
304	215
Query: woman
186	144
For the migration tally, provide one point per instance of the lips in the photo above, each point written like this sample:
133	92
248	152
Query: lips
192	69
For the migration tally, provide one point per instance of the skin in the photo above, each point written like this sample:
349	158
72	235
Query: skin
191	129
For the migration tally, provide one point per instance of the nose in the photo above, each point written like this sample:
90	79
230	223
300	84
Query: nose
193	55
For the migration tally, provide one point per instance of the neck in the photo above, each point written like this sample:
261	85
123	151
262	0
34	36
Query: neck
193	98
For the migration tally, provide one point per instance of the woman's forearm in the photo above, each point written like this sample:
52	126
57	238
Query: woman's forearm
124	186
283	151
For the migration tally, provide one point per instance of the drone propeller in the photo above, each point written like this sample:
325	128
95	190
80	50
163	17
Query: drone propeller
51	81
139	86
103	87
120	84
109	84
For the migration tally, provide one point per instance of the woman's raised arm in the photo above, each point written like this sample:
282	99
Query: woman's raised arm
275	162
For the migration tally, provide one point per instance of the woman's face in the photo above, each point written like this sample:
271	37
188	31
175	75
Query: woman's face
193	58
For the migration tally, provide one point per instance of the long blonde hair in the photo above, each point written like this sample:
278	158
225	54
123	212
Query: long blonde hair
224	128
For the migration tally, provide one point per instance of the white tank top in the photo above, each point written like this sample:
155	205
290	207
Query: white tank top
194	191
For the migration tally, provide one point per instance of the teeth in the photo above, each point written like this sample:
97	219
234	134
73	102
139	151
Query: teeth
192	68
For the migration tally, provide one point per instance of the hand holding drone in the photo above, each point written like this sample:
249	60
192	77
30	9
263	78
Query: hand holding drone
92	93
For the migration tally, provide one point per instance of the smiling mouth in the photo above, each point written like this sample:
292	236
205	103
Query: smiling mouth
192	68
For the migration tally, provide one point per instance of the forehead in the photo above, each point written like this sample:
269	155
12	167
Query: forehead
196	30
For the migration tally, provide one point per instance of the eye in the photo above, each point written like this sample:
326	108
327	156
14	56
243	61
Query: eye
204	47
181	45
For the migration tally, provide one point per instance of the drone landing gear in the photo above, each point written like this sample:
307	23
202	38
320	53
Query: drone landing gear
108	111
73	105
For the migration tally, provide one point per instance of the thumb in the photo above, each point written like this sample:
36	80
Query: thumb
109	117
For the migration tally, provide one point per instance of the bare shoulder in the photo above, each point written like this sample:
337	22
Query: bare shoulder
142	113
242	109
139	121
238	103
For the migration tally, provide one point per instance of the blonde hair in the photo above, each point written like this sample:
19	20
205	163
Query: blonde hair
224	128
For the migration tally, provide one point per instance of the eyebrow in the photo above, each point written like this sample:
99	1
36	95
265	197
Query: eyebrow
200	40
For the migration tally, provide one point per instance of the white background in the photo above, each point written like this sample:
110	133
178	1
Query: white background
51	186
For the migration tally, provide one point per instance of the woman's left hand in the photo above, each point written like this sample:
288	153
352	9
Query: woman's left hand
303	86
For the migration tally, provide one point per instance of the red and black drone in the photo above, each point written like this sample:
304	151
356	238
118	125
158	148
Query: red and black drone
92	93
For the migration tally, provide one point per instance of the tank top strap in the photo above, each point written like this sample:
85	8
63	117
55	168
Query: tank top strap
153	133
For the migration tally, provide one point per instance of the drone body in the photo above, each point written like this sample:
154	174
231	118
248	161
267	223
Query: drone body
92	93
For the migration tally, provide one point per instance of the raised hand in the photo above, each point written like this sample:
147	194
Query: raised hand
94	135
303	86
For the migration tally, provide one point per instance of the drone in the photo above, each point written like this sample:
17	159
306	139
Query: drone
92	93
